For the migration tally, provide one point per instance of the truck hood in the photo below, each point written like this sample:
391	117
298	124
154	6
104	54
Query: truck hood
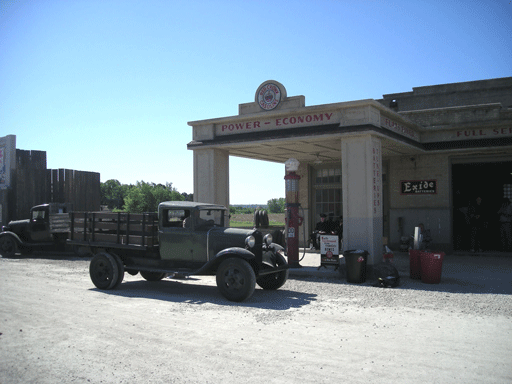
16	225
222	238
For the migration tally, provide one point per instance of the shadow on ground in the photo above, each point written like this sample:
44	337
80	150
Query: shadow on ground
183	292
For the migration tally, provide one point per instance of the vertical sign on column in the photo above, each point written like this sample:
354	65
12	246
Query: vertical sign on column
377	178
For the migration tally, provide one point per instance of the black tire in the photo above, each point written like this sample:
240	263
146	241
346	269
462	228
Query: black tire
104	271
264	219
8	246
257	218
152	276
275	280
120	267
277	237
236	279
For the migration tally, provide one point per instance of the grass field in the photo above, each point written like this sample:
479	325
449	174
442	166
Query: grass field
247	219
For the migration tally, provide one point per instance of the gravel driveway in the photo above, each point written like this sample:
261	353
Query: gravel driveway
57	327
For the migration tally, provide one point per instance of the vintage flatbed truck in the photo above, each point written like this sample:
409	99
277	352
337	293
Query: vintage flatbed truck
47	229
182	239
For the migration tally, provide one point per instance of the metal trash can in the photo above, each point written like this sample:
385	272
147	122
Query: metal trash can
355	261
431	267
415	263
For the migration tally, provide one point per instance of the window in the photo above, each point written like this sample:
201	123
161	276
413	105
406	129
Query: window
175	217
327	192
38	215
328	176
212	214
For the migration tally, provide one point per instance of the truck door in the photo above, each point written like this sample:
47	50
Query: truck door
178	243
39	225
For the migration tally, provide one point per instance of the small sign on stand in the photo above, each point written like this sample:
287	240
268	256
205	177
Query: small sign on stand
329	250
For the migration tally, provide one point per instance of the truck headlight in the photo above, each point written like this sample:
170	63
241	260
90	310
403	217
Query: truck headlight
250	241
268	239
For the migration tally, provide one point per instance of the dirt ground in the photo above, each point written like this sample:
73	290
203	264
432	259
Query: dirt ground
56	327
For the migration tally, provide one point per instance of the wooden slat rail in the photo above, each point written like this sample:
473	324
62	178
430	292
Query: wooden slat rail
119	228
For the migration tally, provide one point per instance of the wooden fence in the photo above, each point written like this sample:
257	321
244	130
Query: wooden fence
34	184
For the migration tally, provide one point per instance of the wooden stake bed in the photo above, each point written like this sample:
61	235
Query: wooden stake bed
114	229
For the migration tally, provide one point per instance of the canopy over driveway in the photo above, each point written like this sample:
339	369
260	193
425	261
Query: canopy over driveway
356	134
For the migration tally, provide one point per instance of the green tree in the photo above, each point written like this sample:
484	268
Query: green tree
113	194
276	205
145	197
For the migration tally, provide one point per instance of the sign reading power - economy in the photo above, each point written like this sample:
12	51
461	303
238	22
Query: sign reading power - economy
271	94
278	123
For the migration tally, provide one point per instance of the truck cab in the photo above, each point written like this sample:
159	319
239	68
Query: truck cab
48	225
39	224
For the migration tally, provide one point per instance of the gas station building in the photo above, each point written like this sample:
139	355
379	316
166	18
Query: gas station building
383	165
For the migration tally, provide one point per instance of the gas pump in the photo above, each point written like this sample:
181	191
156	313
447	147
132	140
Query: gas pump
292	218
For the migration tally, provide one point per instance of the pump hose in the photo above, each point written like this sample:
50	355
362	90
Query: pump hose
304	233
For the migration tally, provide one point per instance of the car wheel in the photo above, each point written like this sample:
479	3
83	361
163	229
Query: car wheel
8	246
275	280
104	271
236	279
152	276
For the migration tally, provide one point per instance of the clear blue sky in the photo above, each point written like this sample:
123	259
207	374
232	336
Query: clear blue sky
109	86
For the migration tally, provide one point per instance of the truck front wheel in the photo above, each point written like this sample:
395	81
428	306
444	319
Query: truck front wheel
236	279
274	280
104	271
7	246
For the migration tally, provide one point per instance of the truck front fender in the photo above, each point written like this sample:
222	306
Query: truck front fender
9	244
211	266
19	242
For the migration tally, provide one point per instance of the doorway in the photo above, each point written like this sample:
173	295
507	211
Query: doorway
488	181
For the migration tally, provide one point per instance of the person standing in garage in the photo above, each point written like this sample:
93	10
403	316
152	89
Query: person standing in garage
478	221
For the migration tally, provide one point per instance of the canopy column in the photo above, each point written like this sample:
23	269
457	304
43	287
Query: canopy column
211	176
362	194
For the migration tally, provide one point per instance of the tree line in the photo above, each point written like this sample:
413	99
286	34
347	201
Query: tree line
273	206
138	198
145	197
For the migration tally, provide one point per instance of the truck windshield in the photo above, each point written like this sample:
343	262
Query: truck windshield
38	214
217	215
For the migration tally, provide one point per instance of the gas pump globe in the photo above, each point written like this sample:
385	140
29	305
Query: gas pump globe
292	218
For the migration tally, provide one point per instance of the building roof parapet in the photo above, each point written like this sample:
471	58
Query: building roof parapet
346	114
453	117
454	108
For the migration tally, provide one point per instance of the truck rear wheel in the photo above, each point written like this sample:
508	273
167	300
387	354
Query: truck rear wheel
104	271
152	276
7	246
236	279
120	267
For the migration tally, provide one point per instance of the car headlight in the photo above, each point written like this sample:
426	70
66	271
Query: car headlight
250	241
268	239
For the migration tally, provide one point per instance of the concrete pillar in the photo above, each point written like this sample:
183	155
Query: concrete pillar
362	195
211	176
